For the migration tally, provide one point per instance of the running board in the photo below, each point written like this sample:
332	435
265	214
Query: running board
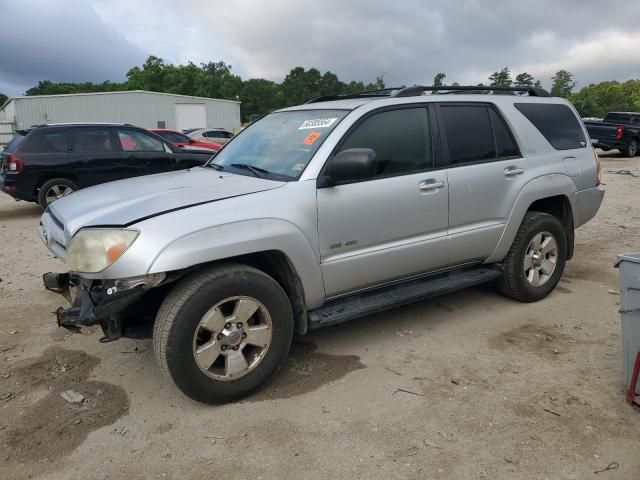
372	301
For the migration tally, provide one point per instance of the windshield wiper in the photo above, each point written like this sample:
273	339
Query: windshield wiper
257	171
216	166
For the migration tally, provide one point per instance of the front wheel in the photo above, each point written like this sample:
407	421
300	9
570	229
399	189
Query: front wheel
536	260
222	332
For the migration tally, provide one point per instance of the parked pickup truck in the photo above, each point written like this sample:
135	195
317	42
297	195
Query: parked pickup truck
619	130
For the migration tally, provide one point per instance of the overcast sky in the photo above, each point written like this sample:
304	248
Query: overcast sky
408	41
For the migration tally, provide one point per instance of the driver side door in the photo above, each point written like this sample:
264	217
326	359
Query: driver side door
393	225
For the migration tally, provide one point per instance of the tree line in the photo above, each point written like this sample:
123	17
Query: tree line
259	96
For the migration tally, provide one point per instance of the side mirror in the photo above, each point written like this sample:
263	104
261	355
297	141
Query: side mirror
191	140
349	165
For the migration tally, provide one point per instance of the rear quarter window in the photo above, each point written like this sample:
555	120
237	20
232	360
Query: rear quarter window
45	142
556	122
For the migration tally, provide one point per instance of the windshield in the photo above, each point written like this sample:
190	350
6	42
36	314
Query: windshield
279	145
173	137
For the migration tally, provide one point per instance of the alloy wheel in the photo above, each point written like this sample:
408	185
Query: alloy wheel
540	259
232	338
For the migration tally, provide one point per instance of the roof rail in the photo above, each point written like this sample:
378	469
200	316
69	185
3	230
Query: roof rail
64	124
381	92
419	90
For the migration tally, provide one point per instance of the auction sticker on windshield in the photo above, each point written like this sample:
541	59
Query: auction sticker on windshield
311	138
317	123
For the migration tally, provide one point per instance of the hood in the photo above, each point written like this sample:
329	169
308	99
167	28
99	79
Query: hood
125	202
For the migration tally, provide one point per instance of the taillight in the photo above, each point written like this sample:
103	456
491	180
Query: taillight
595	154
14	163
620	132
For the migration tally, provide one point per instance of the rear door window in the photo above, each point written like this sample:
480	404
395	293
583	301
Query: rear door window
556	122
505	144
469	136
57	140
92	141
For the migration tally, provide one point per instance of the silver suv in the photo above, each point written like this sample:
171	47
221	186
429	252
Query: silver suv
321	213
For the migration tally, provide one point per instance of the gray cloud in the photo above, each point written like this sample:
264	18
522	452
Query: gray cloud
413	39
407	40
59	41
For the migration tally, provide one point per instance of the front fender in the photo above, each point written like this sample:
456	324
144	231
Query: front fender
241	238
536	189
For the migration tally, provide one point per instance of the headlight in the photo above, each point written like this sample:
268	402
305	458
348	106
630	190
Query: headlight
93	249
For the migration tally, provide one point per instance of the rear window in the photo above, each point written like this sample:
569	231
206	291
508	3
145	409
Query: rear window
621	118
556	122
45	142
12	146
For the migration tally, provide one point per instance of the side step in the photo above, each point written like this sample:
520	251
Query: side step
372	301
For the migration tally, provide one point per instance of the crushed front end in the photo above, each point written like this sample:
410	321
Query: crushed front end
122	308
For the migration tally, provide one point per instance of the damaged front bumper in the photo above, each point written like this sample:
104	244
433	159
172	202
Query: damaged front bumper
122	308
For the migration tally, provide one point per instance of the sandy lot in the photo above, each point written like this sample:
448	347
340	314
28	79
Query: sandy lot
496	389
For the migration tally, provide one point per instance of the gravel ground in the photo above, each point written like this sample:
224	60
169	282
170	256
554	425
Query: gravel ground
470	385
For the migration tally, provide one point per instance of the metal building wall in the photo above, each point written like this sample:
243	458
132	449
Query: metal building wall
7	126
144	109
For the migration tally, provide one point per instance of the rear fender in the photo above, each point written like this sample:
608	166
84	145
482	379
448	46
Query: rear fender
537	189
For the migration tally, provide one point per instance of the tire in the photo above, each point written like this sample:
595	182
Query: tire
189	321
631	149
521	283
56	187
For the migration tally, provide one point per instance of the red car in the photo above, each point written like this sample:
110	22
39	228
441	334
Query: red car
181	140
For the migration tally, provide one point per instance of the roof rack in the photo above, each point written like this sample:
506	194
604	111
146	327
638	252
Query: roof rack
417	90
64	124
381	92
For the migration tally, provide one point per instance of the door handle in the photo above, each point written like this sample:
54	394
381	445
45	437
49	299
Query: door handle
513	171
428	185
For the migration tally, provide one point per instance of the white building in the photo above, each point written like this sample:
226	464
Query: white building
137	107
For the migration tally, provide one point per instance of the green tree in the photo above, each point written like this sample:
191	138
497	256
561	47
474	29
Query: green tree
501	78
3	98
596	100
152	76
562	84
259	96
524	80
439	79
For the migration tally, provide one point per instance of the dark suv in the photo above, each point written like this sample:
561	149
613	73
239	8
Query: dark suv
48	162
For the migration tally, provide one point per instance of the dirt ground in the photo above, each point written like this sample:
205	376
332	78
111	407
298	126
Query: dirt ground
470	385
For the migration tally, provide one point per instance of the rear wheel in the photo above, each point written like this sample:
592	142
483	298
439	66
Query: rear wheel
222	332
536	260
630	149
54	189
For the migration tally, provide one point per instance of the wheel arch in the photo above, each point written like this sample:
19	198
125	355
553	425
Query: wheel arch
560	207
45	177
554	194
278	266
